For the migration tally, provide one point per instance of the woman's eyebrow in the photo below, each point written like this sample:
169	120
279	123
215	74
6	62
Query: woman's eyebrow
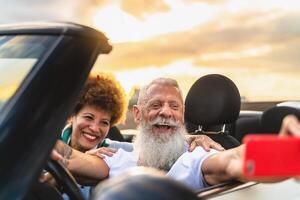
87	113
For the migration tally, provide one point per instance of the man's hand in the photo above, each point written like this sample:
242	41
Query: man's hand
100	152
290	126
204	141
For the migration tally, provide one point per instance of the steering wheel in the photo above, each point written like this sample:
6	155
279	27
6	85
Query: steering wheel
64	179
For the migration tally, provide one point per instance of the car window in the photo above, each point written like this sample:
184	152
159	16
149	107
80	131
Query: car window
18	54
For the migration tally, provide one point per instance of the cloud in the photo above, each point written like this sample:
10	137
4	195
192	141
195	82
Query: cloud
206	1
79	11
277	31
141	9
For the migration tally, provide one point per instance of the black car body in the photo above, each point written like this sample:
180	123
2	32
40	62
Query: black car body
31	120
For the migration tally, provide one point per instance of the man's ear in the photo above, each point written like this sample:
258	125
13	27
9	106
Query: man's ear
183	111
136	114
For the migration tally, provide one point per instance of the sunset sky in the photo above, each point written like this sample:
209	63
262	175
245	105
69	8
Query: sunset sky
255	43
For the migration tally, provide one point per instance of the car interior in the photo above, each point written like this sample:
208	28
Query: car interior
212	107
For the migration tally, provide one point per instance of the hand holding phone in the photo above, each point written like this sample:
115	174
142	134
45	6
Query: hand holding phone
271	156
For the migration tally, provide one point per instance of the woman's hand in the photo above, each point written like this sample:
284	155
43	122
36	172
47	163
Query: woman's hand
101	152
46	177
204	141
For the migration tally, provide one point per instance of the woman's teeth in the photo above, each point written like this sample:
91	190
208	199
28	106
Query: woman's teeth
91	137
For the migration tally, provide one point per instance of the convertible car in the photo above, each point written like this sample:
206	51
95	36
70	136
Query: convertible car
42	69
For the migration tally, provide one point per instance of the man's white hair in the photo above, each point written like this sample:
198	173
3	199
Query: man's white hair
143	94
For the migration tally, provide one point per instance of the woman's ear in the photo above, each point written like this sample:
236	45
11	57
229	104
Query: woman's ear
70	119
136	114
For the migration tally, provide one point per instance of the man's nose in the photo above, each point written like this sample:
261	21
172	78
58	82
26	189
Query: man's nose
165	111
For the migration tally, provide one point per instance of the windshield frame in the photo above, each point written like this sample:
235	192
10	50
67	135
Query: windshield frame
19	54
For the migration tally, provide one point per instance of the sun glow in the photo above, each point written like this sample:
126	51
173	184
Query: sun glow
184	71
123	27
258	57
251	52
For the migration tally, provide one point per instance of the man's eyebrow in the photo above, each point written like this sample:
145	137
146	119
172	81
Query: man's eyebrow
153	100
174	101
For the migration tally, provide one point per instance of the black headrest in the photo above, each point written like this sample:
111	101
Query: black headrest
142	183
271	119
213	99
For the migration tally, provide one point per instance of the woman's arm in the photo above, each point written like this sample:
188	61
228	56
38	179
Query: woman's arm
84	166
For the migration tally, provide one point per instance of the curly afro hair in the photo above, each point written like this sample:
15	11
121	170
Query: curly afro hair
106	93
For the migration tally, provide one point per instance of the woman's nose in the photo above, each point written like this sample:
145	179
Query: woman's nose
94	127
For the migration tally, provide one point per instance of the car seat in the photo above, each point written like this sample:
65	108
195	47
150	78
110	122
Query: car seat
248	123
271	119
213	100
115	134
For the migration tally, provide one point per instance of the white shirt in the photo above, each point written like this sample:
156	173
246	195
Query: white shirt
187	168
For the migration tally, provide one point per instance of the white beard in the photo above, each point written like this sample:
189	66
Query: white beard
159	151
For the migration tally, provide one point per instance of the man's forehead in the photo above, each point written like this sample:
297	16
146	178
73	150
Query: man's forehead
157	90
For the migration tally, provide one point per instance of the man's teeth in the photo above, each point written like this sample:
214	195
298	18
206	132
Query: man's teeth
163	126
92	137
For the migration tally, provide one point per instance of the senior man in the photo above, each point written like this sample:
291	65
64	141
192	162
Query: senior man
160	144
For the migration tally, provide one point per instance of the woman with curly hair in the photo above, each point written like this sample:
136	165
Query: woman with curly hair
101	105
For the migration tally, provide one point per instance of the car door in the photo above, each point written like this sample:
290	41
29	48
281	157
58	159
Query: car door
31	119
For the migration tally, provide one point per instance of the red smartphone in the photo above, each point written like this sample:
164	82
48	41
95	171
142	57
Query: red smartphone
269	155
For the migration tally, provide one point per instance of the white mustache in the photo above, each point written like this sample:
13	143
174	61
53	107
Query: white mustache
164	121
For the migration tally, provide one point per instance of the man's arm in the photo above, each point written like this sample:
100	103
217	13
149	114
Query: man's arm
83	166
228	165
224	166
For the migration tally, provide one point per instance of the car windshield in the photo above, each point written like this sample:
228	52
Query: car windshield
18	54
